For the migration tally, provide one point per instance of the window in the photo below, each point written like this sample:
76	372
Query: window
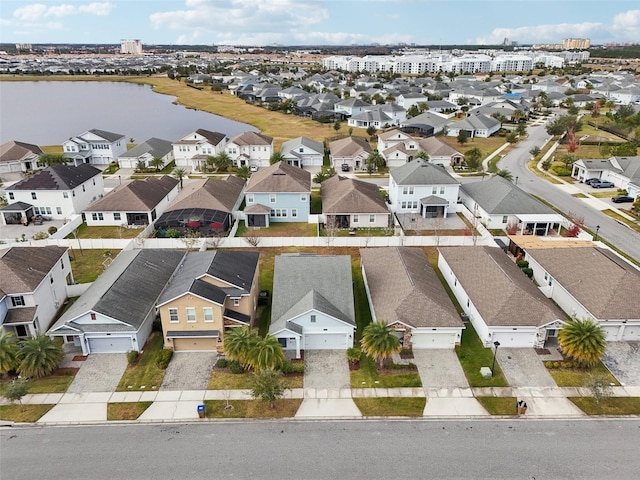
272	198
92	315
11	197
116	216
250	198
301	150
294	213
59	210
208	314
94	181
505	218
84	189
434	190
441	190
404	205
18	301
34	196
65	194
97	216
173	315
372	219
303	197
279	212
236	302
407	190
356	218
191	314
62	263
313	319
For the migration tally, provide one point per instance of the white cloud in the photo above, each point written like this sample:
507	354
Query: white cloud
96	8
38	12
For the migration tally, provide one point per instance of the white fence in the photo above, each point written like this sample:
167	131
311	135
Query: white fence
77	289
67	228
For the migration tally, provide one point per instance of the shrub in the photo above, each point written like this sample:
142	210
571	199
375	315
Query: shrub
163	357
528	272
156	326
401	366
41	236
292	367
556	365
548	364
522	263
222	363
236	367
406	352
561	170
52	229
132	356
353	354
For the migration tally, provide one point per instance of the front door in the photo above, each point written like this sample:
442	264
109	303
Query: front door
21	331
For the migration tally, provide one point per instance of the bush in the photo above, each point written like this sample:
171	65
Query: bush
41	236
52	229
292	367
353	354
222	363
522	263
556	365
561	171
528	272
156	326
236	367
163	357
407	352
548	364
132	356
401	366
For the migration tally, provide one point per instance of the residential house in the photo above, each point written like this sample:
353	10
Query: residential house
211	202
351	151
409	99
440	153
212	292
18	157
313	311
191	151
397	147
626	95
144	153
57	192
404	291
33	288
250	149
351	106
97	147
423	188
352	203
428	123
622	171
591	283
303	152
502	107
498	203
108	317
501	302
136	203
476	125
278	193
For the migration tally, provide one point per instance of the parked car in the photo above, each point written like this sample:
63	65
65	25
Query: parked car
602	184
345	167
589	181
253	168
623	199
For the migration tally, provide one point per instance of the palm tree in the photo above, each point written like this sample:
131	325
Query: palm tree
504	173
243	172
8	354
238	343
223	162
266	354
379	342
583	341
180	173
422	155
156	162
375	160
276	157
40	356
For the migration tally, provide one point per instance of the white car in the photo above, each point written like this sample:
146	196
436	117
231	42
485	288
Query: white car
253	168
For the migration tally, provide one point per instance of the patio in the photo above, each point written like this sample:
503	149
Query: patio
413	221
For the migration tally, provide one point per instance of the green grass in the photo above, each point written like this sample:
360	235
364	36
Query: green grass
362	310
84	231
316	202
242	381
281	229
87	265
499	405
23	413
574	377
579	195
126	411
283	408
145	373
601	194
473	355
620	218
391	407
369	377
608	406
52	384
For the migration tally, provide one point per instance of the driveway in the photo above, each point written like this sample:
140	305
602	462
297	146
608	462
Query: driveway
100	372
523	367
326	369
623	359
189	371
439	369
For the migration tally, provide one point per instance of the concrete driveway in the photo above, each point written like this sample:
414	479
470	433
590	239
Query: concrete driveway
523	367
189	371
326	369
100	372
439	369
623	359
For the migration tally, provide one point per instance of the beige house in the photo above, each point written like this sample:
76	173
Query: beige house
351	203
212	292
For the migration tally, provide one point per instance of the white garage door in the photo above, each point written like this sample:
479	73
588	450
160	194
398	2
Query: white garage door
110	345
611	331
631	333
325	341
433	340
514	340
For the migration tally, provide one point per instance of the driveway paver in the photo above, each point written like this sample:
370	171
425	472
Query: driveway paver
189	371
623	359
523	367
326	369
439	368
100	372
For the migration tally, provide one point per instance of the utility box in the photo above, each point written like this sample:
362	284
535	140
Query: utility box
201	411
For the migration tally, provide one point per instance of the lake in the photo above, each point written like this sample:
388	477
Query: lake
48	113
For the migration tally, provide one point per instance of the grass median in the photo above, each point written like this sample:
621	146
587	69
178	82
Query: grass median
391	407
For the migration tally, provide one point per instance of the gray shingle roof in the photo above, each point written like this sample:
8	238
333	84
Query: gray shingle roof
22	269
280	177
155	147
347	195
289	145
211	193
57	177
499	196
12	151
138	195
420	172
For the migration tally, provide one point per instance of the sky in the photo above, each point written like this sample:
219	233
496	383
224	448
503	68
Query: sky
318	22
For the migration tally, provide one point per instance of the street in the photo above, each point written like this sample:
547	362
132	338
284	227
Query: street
416	448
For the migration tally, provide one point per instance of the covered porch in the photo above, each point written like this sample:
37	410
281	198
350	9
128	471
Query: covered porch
17	213
257	216
540	224
433	207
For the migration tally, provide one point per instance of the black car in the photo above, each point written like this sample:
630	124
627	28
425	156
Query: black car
345	167
622	199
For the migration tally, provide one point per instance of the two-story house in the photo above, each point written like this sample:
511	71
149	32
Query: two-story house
278	193
191	151
211	292
397	147
33	287
18	157
57	192
250	149
420	187
303	152
97	147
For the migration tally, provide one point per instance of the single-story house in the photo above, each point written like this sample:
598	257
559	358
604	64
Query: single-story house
351	151
18	157
477	125
145	152
352	203
440	153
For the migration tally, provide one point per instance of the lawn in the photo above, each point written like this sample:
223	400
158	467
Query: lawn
220	380
281	229
391	407
574	377
473	355
23	413
144	373
615	215
283	408
316	202
601	194
360	232
486	145
608	406
369	377
499	405
51	384
87	265
126	411
84	231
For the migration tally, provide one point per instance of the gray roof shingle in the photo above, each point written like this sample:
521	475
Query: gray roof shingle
499	196
420	172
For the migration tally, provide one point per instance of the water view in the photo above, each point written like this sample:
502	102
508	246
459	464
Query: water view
47	113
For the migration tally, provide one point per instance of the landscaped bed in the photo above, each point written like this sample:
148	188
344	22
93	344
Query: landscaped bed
578	377
391	406
369	376
126	411
282	408
225	379
23	413
608	406
144	374
57	383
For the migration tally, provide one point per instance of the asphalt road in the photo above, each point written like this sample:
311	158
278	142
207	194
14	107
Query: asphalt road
519	449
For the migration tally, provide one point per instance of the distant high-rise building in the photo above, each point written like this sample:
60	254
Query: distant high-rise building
133	47
576	43
23	46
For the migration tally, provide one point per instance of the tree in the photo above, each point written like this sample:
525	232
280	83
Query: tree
572	141
324	174
276	157
563	124
506	174
243	172
371	130
210	162
521	129
157	163
266	353
48	159
237	344
40	356
463	137
422	155
472	158
16	390
337	125
8	353
374	161
583	341
512	137
379	342
535	151
222	162
517	115
598	385
267	385
180	173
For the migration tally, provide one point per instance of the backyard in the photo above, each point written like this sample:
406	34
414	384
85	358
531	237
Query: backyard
87	265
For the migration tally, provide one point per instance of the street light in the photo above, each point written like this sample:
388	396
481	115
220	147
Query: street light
516	180
595	239
495	344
